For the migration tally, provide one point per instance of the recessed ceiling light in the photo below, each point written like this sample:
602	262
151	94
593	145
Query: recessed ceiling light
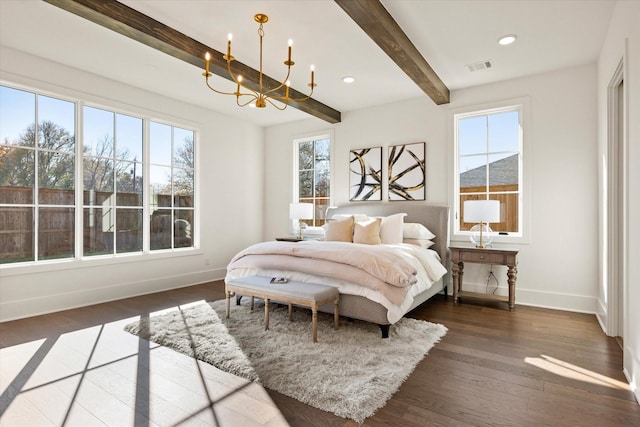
348	79
507	40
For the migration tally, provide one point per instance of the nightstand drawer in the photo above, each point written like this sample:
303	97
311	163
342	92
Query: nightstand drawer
483	257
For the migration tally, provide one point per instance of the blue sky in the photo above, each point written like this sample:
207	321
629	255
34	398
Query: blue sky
18	112
496	134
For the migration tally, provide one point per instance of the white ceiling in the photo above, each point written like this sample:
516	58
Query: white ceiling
552	34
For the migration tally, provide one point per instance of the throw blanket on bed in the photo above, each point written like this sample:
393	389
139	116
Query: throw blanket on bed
388	270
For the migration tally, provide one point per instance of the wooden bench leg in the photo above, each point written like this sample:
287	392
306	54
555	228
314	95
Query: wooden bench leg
336	316
266	314
228	303
252	299
290	311
314	322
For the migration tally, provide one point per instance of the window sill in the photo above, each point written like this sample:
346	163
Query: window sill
7	270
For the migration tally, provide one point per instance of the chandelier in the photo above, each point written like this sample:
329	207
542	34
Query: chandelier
258	97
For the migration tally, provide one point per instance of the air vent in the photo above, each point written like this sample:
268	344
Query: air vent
479	66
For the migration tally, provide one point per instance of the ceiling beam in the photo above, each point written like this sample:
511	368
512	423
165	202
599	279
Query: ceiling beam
374	19
137	26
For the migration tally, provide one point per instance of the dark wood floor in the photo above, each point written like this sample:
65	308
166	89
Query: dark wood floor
530	367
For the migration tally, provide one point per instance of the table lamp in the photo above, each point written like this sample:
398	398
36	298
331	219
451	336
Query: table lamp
482	211
300	211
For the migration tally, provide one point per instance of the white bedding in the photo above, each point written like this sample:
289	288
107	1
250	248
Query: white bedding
425	263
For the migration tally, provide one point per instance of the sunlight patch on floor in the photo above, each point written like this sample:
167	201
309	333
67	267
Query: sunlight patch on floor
103	374
568	370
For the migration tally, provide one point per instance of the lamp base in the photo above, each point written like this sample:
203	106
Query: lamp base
481	235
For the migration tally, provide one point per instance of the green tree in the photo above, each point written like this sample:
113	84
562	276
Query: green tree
183	173
55	158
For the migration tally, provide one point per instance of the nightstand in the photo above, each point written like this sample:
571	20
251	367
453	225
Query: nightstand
496	256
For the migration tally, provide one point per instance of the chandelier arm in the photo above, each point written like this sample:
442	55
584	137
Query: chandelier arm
240	85
304	98
216	90
253	98
281	85
270	101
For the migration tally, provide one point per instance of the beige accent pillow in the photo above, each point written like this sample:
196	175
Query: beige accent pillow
391	229
368	232
339	231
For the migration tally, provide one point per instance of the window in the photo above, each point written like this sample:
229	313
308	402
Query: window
123	172
489	165
171	184
37	178
313	175
112	176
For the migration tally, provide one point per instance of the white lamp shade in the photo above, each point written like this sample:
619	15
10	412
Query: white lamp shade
301	211
482	211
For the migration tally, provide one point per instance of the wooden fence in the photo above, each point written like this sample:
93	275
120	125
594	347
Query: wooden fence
56	225
509	203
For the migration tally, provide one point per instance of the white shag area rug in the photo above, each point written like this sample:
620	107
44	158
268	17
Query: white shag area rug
350	372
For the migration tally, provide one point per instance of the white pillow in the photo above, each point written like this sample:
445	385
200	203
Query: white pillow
391	229
313	231
414	230
423	243
368	232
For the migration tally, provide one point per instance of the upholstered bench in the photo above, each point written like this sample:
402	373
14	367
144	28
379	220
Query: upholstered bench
310	295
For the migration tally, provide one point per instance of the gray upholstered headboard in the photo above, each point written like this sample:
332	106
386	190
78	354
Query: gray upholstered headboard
434	217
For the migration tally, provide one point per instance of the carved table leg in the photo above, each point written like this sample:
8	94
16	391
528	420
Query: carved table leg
336	315
511	279
457	270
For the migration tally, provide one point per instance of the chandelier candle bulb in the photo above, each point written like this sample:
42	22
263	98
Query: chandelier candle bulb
238	90
207	58
312	70
289	55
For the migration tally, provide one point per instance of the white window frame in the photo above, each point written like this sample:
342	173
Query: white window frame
79	260
328	134
524	209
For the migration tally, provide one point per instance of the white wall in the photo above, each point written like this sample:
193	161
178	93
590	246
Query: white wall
623	42
231	168
558	267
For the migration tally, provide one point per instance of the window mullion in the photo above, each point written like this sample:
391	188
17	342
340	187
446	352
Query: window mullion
488	157
79	182
146	190
173	207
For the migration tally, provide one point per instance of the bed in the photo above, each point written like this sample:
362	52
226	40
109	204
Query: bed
357	302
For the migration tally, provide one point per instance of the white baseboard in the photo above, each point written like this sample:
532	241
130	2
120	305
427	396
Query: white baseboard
552	300
631	370
601	316
19	309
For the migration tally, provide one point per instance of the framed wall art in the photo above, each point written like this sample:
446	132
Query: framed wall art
365	174
406	172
